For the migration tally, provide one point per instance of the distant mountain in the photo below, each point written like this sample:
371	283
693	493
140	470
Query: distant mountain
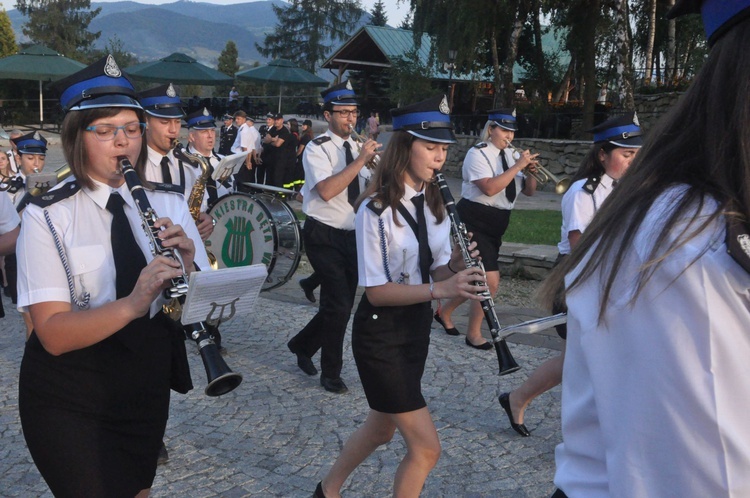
198	29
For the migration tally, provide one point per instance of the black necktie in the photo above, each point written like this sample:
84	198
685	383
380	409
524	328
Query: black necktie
510	190
353	188
166	176
129	260
425	254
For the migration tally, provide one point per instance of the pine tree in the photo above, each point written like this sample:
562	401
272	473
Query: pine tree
7	36
61	25
379	18
228	64
305	27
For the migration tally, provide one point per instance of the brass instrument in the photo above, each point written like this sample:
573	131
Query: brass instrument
542	175
39	183
199	187
359	140
221	379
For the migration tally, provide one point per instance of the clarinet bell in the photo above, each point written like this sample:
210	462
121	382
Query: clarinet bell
221	379
505	358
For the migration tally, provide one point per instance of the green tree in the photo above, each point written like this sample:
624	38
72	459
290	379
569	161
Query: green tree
379	18
228	64
7	36
409	80
62	25
305	27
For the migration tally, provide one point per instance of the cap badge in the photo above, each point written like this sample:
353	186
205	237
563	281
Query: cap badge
205	112
111	69
444	106
349	85
744	241
37	136
171	92
635	120
513	113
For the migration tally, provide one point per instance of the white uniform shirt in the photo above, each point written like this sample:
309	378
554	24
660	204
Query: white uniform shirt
656	397
485	162
9	219
579	208
400	242
213	160
83	226
153	170
321	162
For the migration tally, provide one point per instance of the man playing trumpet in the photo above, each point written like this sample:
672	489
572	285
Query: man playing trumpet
492	178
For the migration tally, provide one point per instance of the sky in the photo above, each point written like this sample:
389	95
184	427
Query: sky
395	11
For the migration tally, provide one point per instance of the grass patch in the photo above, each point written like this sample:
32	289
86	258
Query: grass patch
534	227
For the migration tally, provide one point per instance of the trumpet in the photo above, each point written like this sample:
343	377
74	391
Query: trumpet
359	140
542	175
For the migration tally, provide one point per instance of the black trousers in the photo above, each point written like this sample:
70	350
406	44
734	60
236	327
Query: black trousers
333	255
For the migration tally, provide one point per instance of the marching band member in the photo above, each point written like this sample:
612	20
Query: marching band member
95	376
616	143
9	228
334	178
201	141
403	249
491	180
656	378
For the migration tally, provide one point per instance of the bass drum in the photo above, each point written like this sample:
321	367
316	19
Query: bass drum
256	228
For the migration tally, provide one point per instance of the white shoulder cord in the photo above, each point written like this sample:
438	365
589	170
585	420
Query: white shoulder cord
83	303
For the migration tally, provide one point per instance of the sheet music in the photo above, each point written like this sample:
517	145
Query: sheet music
219	294
229	163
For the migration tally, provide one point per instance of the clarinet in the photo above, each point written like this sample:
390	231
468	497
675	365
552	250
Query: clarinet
458	230
221	379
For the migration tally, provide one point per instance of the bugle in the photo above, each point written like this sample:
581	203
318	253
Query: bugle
221	379
504	357
542	175
359	140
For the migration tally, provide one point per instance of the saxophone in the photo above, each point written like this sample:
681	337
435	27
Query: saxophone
195	200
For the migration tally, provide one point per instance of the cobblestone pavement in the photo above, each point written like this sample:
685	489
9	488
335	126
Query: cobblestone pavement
279	431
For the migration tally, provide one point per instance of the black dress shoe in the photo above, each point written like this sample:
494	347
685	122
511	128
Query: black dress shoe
484	346
449	331
307	289
504	400
333	385
319	491
303	362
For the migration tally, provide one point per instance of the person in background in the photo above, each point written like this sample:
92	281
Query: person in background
13	153
9	229
227	135
248	140
290	178
94	384
373	126
334	178
656	379
492	178
616	143
403	248
265	162
281	150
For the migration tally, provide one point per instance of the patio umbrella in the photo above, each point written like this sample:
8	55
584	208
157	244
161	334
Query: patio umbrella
38	62
281	71
180	69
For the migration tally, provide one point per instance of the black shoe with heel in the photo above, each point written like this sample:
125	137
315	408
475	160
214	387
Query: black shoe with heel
449	331
504	400
485	346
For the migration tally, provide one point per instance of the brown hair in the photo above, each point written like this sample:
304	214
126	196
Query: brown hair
71	135
702	144
388	180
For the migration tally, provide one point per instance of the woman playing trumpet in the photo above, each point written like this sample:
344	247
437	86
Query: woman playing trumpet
491	180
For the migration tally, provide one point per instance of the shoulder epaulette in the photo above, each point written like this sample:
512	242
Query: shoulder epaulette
56	195
376	206
169	187
590	186
738	243
480	145
321	140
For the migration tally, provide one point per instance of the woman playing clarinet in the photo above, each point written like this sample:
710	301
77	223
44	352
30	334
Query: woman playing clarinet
405	262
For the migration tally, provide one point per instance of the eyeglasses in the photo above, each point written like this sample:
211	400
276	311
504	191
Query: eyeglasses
106	132
347	114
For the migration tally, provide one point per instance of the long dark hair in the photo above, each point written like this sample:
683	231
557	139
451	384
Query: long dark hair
591	165
387	182
71	136
702	144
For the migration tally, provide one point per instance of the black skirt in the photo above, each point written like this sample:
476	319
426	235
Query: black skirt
94	419
390	345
